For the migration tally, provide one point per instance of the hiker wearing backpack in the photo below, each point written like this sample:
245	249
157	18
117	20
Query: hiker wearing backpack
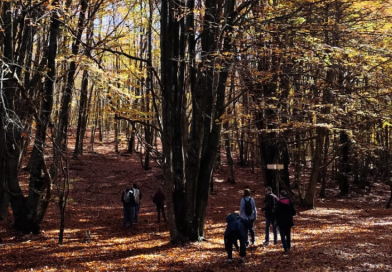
284	216
138	197
235	230
269	212
159	200
248	215
128	201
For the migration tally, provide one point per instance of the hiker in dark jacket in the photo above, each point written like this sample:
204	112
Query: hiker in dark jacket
128	208
235	230
269	212
159	200
284	217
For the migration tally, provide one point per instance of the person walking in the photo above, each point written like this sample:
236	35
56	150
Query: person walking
128	201
284	216
269	212
138	196
235	231
159	200
248	215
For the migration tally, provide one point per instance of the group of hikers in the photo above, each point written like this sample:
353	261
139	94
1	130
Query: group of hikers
278	213
130	199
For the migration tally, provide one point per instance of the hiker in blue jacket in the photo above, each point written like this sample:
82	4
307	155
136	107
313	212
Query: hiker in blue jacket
235	230
248	215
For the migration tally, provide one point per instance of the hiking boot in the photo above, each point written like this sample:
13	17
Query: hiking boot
266	243
243	260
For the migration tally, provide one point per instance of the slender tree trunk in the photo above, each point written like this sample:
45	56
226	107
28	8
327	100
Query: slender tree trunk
230	164
148	132
83	116
324	170
316	163
167	122
344	167
319	142
61	137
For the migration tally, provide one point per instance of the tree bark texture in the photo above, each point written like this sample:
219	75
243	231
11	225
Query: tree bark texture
188	190
29	211
61	137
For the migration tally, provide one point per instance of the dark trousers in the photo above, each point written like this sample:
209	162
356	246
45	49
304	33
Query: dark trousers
231	240
268	222
161	208
249	225
285	236
128	215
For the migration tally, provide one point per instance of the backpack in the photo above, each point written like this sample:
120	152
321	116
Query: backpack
248	207
129	197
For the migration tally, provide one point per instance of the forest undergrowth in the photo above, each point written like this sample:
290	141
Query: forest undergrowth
350	233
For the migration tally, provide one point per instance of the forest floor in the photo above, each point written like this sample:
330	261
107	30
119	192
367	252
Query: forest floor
351	233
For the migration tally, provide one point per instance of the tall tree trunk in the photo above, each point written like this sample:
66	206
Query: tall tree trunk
40	182
27	212
61	137
324	170
344	166
212	131
321	133
190	191
10	128
83	116
230	164
148	132
316	163
168	90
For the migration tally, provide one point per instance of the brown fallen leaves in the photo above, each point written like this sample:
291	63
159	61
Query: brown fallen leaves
341	234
